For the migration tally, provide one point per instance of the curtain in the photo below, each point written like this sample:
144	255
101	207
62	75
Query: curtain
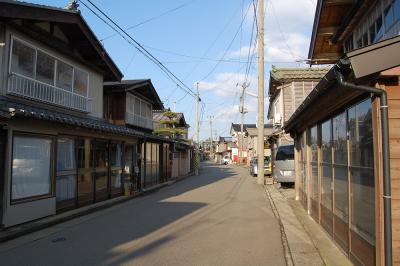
66	184
31	167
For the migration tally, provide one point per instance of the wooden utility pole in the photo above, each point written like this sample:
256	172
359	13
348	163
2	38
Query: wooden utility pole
197	158
211	137
242	111
260	128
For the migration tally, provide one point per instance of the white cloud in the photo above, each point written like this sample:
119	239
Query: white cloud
228	84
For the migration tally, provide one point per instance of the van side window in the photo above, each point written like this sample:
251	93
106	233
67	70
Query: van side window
285	153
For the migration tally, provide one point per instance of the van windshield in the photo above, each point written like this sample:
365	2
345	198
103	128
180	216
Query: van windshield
285	153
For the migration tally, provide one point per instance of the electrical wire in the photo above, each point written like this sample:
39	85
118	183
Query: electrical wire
151	19
139	47
229	46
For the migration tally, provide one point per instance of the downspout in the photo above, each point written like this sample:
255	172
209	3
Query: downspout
385	158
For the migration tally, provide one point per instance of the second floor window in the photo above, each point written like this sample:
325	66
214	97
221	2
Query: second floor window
35	64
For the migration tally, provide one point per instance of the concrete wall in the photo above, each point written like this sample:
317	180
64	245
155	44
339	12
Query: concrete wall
95	78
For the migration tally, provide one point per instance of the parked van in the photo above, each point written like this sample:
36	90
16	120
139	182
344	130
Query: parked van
283	168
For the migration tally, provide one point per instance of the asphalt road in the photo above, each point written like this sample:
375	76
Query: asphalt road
221	217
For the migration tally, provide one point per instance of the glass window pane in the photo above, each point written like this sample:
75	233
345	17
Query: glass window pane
116	155
340	139
379	29
31	167
326	132
23	59
341	192
80	82
389	17
85	168
101	154
326	187
65	154
314	144
285	153
137	106
361	138
314	194
363	203
65	187
45	65
143	109
64	76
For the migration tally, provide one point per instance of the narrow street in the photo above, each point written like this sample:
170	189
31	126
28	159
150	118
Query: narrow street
221	217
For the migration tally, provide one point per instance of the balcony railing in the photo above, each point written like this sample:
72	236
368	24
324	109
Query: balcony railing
34	89
139	121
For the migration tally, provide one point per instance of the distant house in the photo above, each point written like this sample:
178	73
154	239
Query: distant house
173	125
252	136
347	135
225	147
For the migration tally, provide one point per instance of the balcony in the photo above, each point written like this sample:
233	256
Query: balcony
139	121
36	90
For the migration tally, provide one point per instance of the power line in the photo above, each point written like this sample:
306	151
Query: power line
151	19
140	48
229	46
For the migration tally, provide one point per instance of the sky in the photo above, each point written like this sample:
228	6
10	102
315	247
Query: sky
205	41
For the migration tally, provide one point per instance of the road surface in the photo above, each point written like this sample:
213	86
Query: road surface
221	217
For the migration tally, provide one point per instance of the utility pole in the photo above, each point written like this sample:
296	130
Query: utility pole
260	128
242	111
211	137
197	155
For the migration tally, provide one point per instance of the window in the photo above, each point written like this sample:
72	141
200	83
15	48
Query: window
45	68
285	153
36	64
372	33
23	59
379	29
64	76
66	169
277	111
116	165
31	167
314	166
326	175
80	82
85	171
362	171
389	16
137	106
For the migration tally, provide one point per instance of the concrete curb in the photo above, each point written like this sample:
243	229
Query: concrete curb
30	227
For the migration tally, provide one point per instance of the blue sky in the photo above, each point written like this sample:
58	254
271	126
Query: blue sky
191	40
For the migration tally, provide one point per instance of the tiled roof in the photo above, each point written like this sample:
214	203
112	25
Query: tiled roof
287	74
22	110
159	116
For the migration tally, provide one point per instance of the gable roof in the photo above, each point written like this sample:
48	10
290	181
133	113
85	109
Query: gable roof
140	87
82	45
279	76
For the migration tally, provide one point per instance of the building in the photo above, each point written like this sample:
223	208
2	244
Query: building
130	103
173	125
288	87
252	136
225	147
57	150
346	131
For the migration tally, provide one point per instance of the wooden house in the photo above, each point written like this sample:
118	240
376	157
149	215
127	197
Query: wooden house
57	152
346	131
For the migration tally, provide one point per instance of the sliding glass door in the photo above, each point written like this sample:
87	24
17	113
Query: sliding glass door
101	163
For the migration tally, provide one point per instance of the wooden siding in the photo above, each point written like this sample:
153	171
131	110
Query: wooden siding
394	135
294	94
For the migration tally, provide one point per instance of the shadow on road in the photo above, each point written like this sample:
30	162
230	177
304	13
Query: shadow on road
109	238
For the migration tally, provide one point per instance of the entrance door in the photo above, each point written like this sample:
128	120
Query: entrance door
85	171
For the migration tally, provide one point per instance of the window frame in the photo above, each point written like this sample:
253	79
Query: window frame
56	59
51	193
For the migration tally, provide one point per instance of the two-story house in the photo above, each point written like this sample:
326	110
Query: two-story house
131	103
347	130
57	152
288	87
